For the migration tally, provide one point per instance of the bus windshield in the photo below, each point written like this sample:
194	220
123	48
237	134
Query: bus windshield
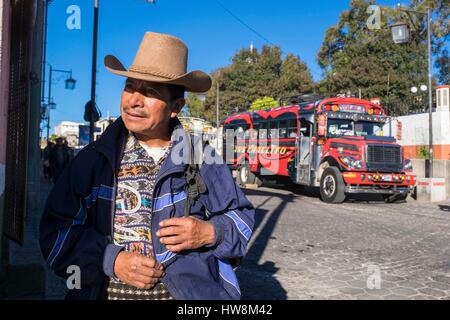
347	127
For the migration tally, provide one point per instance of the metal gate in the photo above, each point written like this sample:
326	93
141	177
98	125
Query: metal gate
17	131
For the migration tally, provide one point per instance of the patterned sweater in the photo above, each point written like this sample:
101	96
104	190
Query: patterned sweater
133	212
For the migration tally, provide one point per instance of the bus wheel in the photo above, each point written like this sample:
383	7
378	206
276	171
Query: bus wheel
245	176
332	186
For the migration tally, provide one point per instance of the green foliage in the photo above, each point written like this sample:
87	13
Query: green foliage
424	152
194	106
264	103
355	58
254	74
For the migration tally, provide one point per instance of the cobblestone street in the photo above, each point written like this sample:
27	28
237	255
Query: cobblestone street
303	248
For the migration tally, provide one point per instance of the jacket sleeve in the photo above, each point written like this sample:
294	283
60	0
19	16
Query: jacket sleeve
230	212
66	235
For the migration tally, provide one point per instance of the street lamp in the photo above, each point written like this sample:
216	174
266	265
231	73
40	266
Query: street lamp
415	90
400	34
70	83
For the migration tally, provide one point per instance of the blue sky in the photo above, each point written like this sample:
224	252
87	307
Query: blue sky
212	35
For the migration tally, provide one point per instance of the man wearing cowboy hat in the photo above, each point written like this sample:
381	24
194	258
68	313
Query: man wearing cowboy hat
118	210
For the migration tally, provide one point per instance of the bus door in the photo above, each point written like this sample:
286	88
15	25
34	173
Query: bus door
304	153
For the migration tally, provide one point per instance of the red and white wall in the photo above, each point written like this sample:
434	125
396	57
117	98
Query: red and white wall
412	131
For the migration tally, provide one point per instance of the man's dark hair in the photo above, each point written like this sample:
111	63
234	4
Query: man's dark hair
176	91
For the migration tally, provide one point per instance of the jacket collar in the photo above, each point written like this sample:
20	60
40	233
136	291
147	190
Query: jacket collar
112	143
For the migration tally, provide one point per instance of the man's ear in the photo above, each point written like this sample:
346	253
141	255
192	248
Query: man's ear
177	106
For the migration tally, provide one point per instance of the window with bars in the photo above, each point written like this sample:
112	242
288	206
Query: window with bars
18	106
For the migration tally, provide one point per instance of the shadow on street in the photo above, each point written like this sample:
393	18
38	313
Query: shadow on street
258	281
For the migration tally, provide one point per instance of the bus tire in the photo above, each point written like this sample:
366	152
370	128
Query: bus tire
245	176
332	186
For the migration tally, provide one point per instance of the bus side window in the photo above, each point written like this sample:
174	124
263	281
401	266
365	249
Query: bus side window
255	131
305	127
273	130
263	130
292	128
283	125
229	131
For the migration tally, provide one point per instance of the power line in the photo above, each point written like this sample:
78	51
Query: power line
244	24
256	32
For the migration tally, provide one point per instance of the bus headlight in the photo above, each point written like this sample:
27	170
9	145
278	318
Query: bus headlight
352	162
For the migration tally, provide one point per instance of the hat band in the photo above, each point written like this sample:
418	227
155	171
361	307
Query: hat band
164	75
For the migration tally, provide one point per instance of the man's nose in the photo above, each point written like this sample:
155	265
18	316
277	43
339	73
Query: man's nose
136	100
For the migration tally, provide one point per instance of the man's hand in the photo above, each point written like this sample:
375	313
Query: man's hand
180	234
137	270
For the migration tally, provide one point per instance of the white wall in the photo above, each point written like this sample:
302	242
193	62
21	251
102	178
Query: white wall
415	128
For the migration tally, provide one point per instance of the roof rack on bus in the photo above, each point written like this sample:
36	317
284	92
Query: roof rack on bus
300	99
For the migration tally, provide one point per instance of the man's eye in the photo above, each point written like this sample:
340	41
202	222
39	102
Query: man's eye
129	87
151	93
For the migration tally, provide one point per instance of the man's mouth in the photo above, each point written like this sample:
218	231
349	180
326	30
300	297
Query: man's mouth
134	115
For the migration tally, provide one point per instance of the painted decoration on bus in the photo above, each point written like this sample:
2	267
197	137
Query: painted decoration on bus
352	108
263	149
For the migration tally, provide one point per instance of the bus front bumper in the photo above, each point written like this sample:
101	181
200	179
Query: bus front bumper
380	183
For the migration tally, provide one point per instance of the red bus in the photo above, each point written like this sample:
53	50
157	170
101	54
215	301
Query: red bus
336	144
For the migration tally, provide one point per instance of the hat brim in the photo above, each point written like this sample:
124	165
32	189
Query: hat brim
194	81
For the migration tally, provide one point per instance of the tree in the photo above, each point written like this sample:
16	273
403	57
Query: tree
254	75
194	106
264	103
354	58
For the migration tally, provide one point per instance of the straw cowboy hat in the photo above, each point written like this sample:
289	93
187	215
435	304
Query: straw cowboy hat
161	58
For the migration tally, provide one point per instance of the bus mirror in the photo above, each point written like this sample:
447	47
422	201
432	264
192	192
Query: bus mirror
303	129
322	125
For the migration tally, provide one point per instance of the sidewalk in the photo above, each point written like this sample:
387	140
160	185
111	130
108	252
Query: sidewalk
30	276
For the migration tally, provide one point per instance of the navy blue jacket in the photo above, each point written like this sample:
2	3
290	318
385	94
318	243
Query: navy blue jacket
77	224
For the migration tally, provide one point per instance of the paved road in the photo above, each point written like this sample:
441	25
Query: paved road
303	248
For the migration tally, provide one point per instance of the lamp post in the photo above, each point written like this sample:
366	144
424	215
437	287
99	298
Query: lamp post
400	34
415	90
69	84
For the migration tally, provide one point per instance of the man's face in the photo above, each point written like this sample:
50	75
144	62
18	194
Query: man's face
147	107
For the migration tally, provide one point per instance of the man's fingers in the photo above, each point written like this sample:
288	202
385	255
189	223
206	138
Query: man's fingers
172	222
145	279
153	273
147	261
172	240
169	231
144	270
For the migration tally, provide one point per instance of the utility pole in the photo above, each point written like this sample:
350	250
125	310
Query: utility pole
430	92
48	103
217	106
44	63
400	34
94	70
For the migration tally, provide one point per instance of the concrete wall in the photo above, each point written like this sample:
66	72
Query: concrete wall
415	133
441	169
415	129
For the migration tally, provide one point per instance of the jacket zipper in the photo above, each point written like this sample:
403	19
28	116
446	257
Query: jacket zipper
113	204
165	174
